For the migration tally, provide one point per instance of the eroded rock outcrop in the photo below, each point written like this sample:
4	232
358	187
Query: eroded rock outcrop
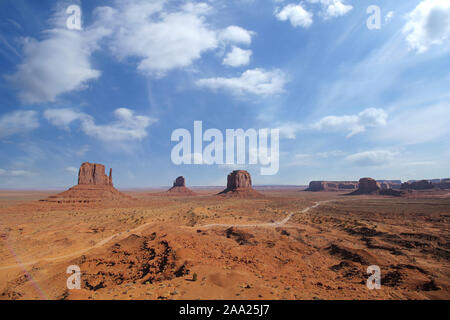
94	174
179	187
316	186
371	186
239	182
93	186
418	185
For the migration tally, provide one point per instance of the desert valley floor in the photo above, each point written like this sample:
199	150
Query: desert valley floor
288	245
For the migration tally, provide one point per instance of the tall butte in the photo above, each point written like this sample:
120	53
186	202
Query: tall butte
93	186
179	187
239	183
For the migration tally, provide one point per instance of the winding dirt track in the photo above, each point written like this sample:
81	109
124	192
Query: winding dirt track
101	243
262	225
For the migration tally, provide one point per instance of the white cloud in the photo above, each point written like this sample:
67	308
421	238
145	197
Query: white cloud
160	39
57	64
18	122
296	14
428	24
254	81
72	170
236	35
333	8
372	158
237	57
62	117
420	125
127	126
353	124
15	173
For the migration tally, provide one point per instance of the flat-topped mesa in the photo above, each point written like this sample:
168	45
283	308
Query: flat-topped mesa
371	186
316	186
94	174
239	182
418	185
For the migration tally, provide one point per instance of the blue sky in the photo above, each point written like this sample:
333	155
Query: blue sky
349	101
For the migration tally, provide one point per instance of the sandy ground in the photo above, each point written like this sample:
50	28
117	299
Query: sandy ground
288	245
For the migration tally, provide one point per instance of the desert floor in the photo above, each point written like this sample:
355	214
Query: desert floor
288	245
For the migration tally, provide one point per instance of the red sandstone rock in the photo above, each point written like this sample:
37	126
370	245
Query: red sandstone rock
418	185
93	186
239	179
179	187
179	182
370	186
94	174
316	186
239	183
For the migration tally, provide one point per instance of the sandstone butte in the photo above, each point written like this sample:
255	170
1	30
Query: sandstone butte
239	183
371	186
93	186
179	187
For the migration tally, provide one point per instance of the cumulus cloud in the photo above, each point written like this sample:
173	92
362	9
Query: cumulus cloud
372	158
428	24
18	122
160	39
237	57
333	8
127	126
236	35
350	124
57	64
254	81
296	14
355	123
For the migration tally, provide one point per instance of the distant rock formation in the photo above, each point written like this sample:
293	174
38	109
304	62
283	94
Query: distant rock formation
93	186
239	183
418	185
316	186
179	182
444	184
179	187
370	186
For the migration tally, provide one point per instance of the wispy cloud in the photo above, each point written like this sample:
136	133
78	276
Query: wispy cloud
18	122
127	126
254	81
347	124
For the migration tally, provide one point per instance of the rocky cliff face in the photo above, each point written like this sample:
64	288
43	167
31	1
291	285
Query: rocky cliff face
368	186
179	182
418	185
239	183
93	186
94	174
316	186
239	179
